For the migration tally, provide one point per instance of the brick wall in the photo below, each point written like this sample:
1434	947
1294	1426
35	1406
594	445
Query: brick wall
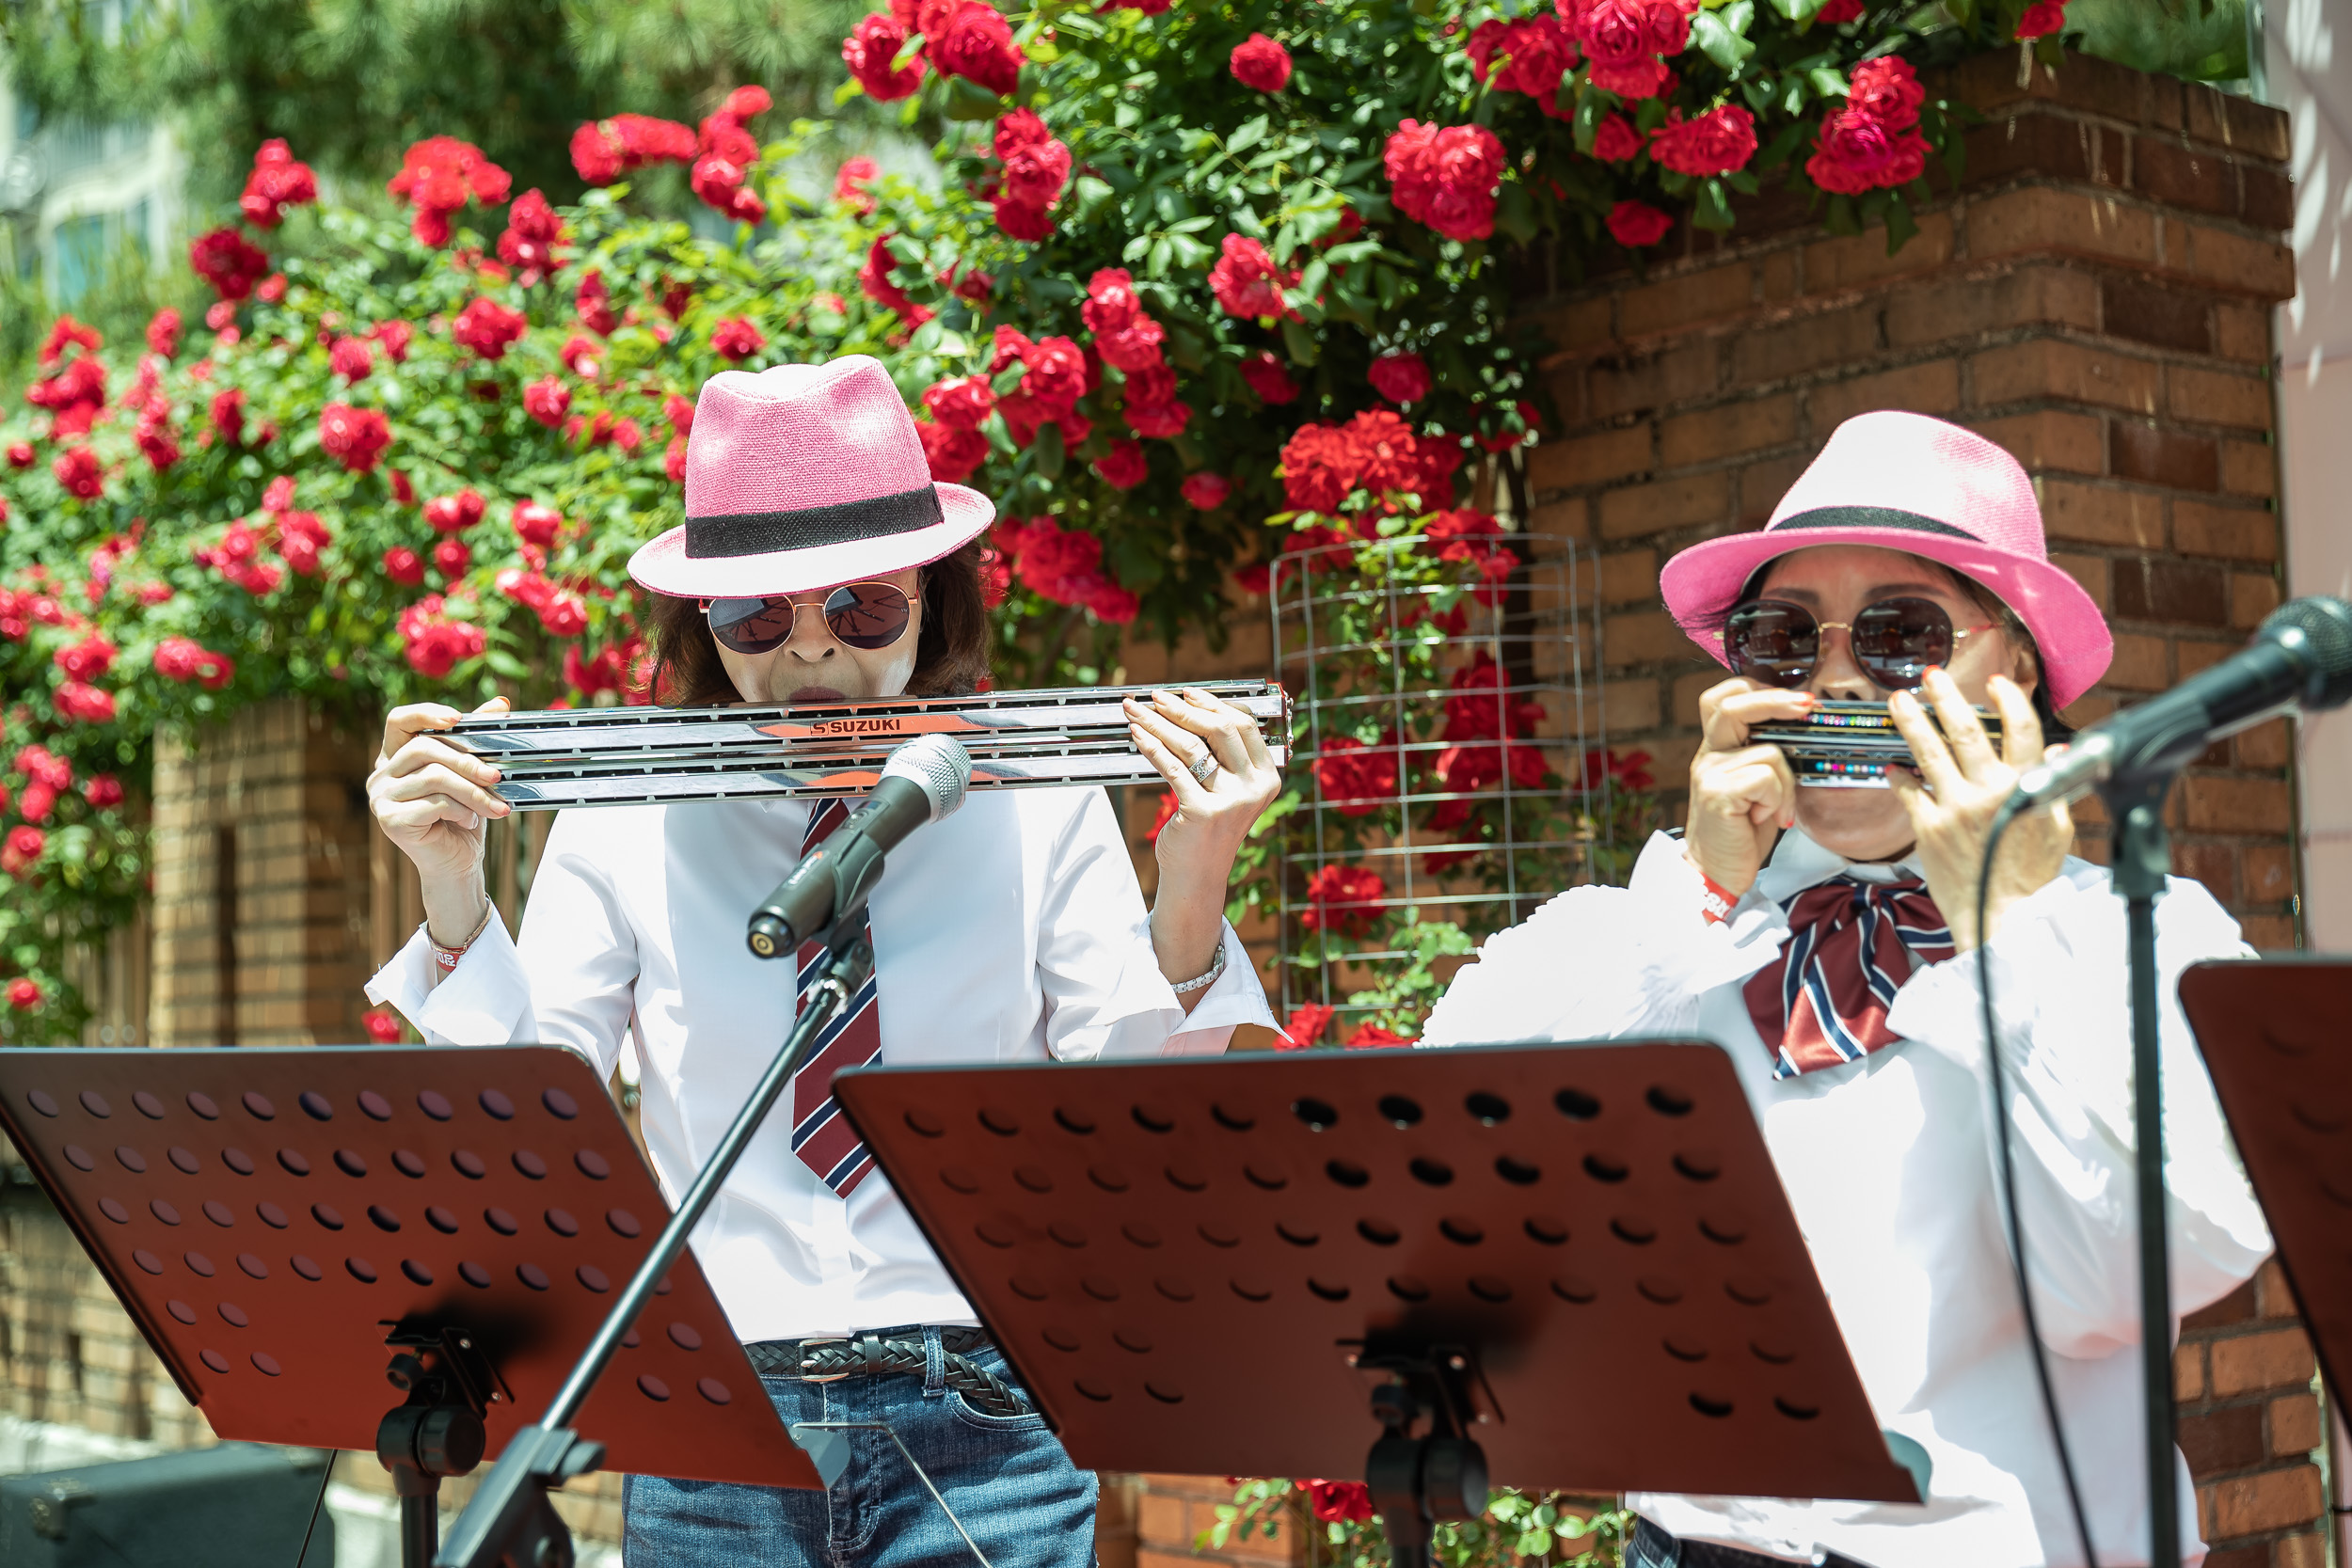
2095	297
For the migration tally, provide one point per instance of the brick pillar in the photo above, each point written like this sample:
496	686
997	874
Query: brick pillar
2096	297
263	882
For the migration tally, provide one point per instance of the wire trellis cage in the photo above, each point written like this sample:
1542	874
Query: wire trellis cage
1452	758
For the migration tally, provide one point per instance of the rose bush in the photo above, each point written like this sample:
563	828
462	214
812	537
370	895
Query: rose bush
1198	283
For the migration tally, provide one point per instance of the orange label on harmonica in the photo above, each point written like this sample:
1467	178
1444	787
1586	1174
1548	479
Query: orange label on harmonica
912	724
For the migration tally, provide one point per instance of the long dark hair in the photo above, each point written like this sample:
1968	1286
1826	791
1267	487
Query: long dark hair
950	653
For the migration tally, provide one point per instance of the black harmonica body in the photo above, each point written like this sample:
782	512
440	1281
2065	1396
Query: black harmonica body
1849	745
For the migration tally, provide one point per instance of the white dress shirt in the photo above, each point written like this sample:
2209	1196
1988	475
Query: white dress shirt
1889	1164
1013	931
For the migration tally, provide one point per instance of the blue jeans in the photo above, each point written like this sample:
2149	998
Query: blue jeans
1006	1477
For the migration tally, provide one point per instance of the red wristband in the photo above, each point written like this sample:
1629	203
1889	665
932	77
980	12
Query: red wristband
1715	901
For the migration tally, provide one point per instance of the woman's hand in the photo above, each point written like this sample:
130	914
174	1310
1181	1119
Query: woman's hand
433	799
1197	845
1742	796
1970	779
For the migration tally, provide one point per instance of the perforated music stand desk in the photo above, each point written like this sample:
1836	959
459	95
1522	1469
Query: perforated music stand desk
2276	1037
1181	1257
268	1217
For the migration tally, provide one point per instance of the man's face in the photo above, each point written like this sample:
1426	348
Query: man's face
815	666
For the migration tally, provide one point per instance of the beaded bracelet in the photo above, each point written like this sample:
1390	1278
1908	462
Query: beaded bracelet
447	957
1210	978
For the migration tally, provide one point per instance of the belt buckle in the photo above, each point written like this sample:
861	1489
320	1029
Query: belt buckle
806	1376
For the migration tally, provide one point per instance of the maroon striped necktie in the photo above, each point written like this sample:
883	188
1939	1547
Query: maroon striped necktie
822	1135
1824	1000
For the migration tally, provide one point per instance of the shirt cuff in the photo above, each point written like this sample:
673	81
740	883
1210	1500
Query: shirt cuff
1143	1016
1670	904
484	1001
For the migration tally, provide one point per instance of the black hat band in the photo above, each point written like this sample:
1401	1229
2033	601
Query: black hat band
808	528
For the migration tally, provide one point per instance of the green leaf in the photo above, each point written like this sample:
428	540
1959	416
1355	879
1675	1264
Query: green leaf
1726	48
1248	133
1590	111
967	99
1711	211
1048	452
1839	216
1301	343
507	664
1156	264
1827	82
1901	225
1515	214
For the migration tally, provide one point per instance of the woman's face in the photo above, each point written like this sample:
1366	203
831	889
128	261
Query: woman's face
814	666
1835	582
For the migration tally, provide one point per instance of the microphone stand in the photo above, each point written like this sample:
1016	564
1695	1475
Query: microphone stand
2143	859
510	1519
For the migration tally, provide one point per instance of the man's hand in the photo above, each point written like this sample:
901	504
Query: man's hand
1970	779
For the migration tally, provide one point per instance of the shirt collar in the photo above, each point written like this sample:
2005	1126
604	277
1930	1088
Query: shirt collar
1798	863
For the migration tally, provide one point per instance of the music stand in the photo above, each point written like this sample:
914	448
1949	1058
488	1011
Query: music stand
289	1227
1580	1257
2272	1033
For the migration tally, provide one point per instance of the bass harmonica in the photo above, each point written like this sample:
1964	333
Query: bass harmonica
616	756
1851	745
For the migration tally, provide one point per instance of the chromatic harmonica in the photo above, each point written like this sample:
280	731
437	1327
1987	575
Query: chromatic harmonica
1851	745
616	756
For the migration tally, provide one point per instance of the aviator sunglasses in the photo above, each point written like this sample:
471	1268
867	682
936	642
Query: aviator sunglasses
1895	641
868	615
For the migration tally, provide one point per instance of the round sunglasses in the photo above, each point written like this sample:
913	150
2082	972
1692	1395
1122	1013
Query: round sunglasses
866	615
1895	641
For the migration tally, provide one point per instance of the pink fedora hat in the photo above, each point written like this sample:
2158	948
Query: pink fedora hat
1904	481
805	476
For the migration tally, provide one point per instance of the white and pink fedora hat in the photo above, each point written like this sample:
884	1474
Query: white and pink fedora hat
1905	482
802	477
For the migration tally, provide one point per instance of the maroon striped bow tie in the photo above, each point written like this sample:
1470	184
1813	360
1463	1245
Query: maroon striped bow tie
822	1135
1824	1000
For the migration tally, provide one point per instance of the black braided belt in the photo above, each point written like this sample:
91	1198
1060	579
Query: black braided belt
893	1352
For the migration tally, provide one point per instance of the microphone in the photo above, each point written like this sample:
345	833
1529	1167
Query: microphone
922	782
2300	657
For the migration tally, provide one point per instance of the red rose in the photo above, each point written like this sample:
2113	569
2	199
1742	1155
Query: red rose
1342	899
964	403
849	183
276	182
1268	378
1616	140
1356	778
532	232
24	993
21	454
736	339
1887	89
1623	39
1401	377
300	538
104	791
1029	224
1246	280
536	523
1111	305
350	359
1164	420
163	332
355	437
1136	348
1373	1036
228	262
593	301
745	102
441	174
1123	467
873	278
455	514
1537	53
1318	468
83	703
78	469
2041	19
1261	64
487	327
1206	491
382	1025
404	565
869	51
1304	1028
434	644
393	336
1637	223
952	453
546	399
1384	451
603	150
978	44
1446	177
1717	142
86	660
452	559
1837	12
